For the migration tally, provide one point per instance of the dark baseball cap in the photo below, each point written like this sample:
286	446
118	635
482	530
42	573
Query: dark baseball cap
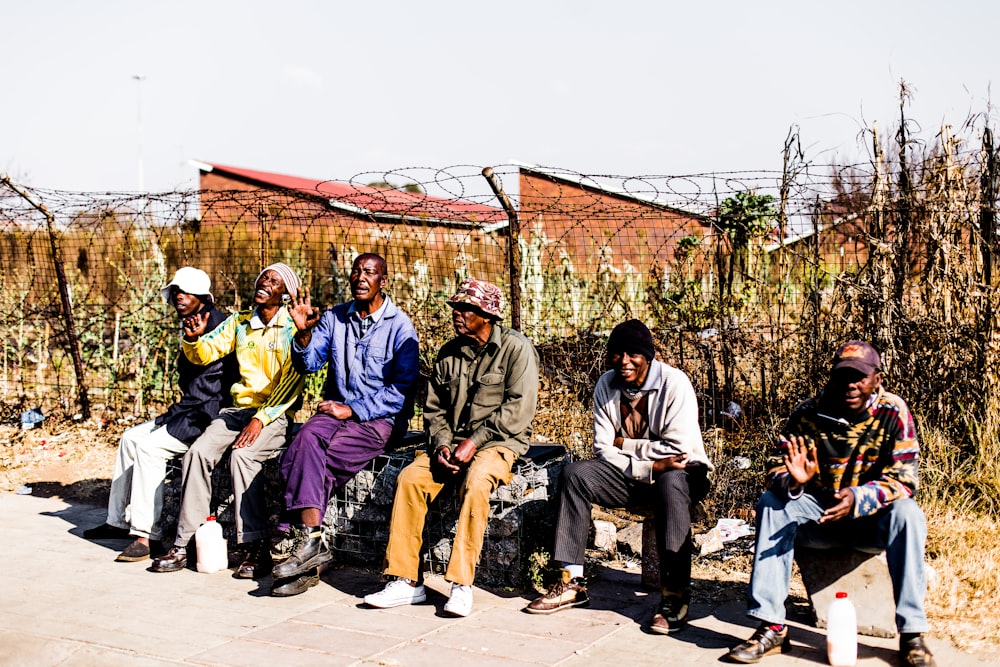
859	355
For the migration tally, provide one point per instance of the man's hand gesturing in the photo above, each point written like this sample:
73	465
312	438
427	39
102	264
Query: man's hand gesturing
194	325
800	461
305	316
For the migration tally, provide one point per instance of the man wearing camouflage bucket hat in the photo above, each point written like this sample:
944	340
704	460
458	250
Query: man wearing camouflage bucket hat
480	404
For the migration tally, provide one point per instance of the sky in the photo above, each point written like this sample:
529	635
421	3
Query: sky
330	90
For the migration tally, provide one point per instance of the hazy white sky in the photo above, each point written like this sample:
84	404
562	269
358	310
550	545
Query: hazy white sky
331	89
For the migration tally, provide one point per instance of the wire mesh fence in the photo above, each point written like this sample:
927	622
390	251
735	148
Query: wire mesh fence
748	280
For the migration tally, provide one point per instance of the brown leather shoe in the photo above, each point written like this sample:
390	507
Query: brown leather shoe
135	552
672	614
257	563
914	653
175	560
565	593
764	642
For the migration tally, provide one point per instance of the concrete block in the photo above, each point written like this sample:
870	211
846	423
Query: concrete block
863	576
605	535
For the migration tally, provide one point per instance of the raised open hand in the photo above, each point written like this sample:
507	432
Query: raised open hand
800	459
303	313
194	325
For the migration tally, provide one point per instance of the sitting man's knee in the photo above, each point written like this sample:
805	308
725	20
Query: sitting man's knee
477	485
769	501
906	511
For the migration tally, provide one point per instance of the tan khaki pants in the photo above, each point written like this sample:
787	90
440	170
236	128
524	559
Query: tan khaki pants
416	489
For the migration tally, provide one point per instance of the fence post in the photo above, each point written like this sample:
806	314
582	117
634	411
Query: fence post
987	217
513	251
987	229
67	306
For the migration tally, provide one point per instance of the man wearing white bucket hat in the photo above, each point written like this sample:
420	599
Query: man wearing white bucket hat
254	429
141	464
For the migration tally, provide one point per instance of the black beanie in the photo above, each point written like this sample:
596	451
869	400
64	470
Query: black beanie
633	337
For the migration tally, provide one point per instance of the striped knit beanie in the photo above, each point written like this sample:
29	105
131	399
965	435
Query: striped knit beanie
287	275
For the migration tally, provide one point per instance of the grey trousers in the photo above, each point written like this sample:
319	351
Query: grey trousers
245	466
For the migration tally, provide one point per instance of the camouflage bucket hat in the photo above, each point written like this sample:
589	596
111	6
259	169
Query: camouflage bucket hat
485	296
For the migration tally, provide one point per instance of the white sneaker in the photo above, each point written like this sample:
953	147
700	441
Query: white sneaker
460	602
397	592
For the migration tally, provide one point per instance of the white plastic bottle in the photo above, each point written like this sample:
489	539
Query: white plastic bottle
842	632
212	547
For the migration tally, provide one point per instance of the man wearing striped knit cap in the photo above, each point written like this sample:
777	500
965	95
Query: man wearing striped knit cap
254	428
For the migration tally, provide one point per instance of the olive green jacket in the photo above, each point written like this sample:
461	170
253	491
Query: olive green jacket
484	393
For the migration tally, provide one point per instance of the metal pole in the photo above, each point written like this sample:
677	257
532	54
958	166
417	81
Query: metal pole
513	252
67	306
139	78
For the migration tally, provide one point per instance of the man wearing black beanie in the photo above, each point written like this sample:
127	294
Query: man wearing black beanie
648	450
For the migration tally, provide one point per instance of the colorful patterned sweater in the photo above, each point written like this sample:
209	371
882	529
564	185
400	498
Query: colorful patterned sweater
876	455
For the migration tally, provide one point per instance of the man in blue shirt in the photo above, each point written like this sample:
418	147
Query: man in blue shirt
370	348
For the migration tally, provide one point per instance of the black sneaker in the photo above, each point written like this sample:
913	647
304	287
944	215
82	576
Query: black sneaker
766	640
106	532
672	614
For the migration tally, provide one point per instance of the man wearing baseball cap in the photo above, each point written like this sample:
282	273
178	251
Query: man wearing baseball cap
648	450
480	404
144	450
843	473
254	429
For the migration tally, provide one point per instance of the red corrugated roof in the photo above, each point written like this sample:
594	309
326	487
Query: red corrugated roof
373	200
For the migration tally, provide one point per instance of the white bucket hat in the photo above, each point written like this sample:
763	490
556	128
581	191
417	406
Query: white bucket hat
191	280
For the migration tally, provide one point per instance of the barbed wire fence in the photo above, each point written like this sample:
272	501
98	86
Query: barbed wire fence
748	280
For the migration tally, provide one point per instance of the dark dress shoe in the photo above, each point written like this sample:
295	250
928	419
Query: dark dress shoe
106	532
309	553
765	641
174	560
286	588
134	553
257	563
914	653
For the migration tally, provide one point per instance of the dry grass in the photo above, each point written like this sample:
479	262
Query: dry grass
964	585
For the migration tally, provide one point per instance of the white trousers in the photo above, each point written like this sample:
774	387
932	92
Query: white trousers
137	485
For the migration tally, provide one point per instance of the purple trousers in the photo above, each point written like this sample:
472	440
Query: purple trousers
324	455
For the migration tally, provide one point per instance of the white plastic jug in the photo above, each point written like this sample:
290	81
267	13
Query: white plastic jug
212	546
842	632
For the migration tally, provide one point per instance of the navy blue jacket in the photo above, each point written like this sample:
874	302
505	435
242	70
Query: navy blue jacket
204	389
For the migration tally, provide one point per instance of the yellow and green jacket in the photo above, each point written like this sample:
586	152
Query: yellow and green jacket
267	382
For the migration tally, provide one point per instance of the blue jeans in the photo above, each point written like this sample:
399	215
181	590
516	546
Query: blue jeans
900	530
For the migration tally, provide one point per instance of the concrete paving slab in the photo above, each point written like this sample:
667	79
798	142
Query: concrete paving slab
351	643
19	648
66	602
247	653
400	626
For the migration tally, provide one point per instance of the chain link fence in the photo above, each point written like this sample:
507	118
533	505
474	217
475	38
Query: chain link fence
748	280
